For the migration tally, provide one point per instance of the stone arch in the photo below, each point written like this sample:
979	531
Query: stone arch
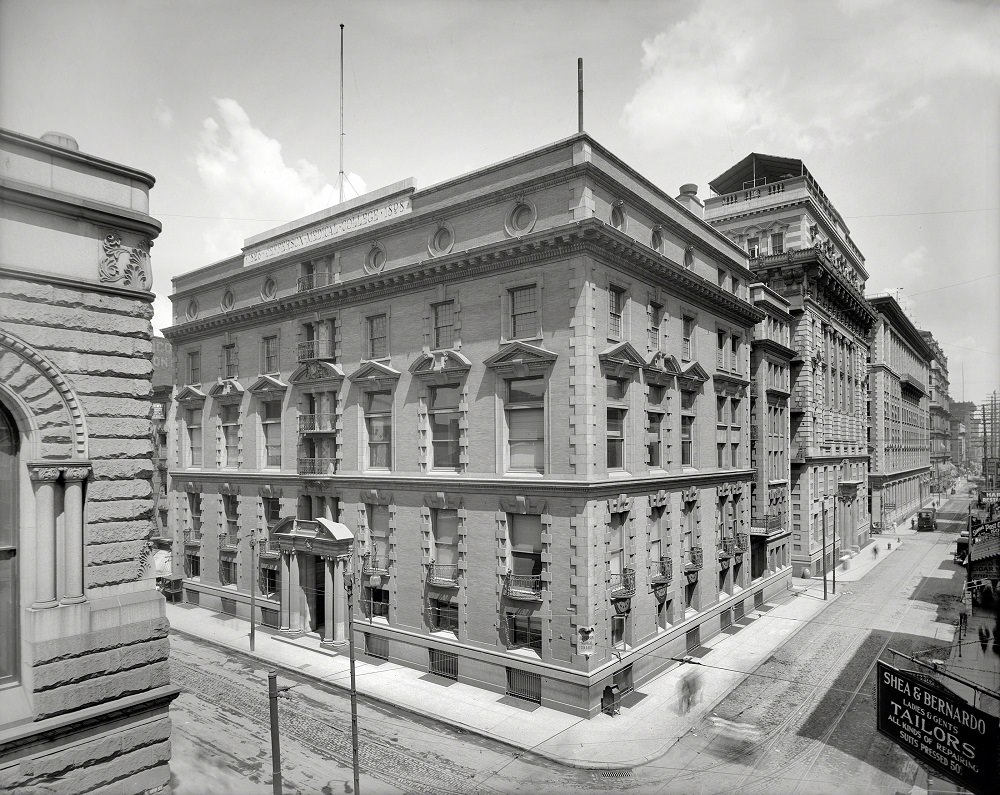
46	398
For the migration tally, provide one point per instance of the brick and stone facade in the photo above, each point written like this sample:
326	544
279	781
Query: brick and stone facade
800	247
899	414
524	394
84	687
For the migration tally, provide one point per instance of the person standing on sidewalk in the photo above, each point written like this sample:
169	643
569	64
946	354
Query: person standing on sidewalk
875	551
963	618
984	637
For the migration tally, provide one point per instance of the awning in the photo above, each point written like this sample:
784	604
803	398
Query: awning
340	532
162	563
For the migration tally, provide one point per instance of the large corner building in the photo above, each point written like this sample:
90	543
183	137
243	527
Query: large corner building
521	399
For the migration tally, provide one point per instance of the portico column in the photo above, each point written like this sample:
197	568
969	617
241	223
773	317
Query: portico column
295	594
73	539
328	599
45	479
286	592
339	602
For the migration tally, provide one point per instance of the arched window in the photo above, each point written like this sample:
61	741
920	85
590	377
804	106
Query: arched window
9	444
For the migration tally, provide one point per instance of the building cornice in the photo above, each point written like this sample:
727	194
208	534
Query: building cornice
771	346
77	207
879	478
589	235
42	277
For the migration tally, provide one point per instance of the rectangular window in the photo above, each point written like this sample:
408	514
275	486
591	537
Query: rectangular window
688	398
687	441
616	309
444	615
379	602
229	419
227	571
720	410
753	246
194	513
524	632
523	312
654	315
735	450
735	406
378	420
687	342
734	354
230	364
657	394
720	356
271	511
194	454
192	566
618	627
444	324
270	423
378	535
268	582
524	533
230	509
443	415
720	450
616	417
525	424
654	422
194	367
777	242
269	355
444	527
378	337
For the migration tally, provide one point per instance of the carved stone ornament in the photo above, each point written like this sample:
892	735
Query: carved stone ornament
690	495
126	264
77	473
43	473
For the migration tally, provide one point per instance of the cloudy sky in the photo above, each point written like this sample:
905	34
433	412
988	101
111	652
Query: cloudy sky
234	106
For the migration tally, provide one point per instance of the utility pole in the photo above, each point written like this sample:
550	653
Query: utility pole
824	550
836	535
349	587
253	585
272	695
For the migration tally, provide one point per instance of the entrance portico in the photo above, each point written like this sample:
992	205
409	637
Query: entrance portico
314	556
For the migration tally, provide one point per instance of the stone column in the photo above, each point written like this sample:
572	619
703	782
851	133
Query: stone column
73	539
286	592
294	595
328	598
339	601
45	479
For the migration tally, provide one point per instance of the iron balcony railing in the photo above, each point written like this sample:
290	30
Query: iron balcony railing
323	423
192	536
313	280
229	540
622	586
443	574
375	564
663	570
692	558
269	546
523	586
316	349
742	542
317	466
726	547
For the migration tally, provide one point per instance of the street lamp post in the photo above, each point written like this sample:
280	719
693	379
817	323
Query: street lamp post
253	586
824	550
349	587
836	534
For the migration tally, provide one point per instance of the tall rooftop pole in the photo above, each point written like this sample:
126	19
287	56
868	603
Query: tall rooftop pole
340	187
579	93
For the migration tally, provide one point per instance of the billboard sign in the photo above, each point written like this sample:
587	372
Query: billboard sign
938	728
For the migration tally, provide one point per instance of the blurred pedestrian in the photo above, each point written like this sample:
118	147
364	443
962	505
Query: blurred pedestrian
963	618
690	694
875	551
984	637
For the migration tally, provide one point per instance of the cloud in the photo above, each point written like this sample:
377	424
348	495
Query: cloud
163	114
808	75
253	188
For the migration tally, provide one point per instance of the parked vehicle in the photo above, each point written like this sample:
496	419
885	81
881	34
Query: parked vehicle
927	519
962	545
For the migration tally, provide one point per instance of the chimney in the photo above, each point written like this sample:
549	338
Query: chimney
690	201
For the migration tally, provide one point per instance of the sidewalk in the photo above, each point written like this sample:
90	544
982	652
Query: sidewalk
640	733
857	567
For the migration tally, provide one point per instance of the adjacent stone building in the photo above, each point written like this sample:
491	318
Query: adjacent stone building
770	432
899	415
942	469
520	397
800	248
84	682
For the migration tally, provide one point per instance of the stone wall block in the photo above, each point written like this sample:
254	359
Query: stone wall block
74	340
123	469
105	775
99	364
99	554
77	669
118	510
120	448
101	689
114	532
54	295
117	407
33	314
103	490
111	573
91	642
109	386
107	427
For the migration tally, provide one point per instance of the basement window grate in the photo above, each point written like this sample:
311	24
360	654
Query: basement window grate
623	773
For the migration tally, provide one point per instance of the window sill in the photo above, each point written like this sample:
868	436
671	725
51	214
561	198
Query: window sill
531	654
525	474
